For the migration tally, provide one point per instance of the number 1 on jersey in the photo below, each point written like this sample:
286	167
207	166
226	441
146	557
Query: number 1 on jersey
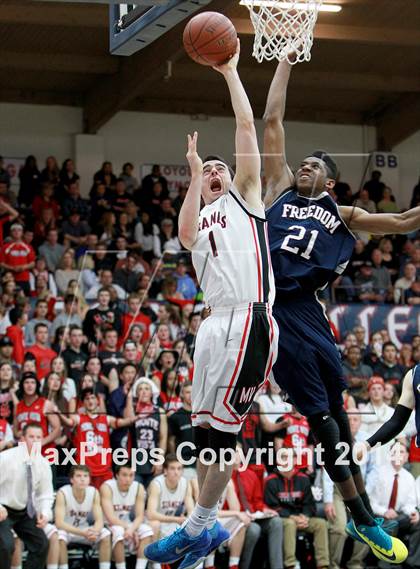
301	234
213	244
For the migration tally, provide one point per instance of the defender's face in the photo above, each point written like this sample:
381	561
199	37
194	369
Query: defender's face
216	181
312	178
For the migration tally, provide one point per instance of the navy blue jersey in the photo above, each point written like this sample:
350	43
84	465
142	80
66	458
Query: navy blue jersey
416	388
310	244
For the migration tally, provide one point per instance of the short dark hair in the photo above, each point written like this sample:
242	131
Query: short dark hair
41	300
118	467
15	315
31	425
387	345
40	325
85	392
330	165
80	468
193	315
213	157
169	458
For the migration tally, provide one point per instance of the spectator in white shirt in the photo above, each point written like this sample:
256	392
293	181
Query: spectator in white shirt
375	413
26	498
395	499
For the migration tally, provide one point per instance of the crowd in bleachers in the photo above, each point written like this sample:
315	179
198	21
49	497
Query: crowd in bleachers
99	312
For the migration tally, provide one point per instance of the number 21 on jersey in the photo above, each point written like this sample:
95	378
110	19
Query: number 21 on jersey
299	236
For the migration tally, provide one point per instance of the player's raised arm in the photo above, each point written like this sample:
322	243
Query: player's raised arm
190	210
395	424
358	219
248	160
277	173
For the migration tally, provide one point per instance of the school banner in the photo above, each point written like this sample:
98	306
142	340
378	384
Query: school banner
402	322
176	174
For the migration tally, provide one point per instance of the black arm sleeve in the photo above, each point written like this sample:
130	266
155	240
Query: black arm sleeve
392	427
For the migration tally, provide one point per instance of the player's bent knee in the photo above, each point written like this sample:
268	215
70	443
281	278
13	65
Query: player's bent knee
117	535
105	534
63	536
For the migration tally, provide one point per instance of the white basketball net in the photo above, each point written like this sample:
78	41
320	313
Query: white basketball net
283	30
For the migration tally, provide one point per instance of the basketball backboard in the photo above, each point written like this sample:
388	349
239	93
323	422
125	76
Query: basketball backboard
134	26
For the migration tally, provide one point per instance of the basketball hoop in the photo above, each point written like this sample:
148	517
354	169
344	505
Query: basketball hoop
283	30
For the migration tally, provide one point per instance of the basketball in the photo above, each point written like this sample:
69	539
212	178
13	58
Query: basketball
210	38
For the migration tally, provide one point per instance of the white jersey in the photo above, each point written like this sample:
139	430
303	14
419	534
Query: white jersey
77	513
123	502
171	501
231	255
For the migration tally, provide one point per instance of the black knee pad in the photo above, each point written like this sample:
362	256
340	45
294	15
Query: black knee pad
327	432
341	417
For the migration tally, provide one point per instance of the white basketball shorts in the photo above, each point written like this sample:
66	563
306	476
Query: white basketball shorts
235	350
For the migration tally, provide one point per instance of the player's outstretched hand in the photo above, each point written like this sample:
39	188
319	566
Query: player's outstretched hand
194	160
232	63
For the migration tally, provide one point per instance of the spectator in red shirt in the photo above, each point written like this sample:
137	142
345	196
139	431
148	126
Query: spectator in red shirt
265	520
45	201
134	316
18	319
41	351
18	257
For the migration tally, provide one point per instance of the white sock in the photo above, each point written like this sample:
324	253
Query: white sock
16	567
209	562
233	561
105	565
120	565
141	563
198	520
52	566
65	566
212	517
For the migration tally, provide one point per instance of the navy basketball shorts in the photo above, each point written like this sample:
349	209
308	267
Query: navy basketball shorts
308	365
234	352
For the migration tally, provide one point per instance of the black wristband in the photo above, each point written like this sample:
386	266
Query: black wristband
391	428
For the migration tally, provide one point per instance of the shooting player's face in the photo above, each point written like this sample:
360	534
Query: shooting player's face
216	180
312	177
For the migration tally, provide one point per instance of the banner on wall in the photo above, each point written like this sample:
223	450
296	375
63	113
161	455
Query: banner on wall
176	174
402	322
13	165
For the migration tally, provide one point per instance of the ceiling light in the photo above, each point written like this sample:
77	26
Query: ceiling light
285	5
